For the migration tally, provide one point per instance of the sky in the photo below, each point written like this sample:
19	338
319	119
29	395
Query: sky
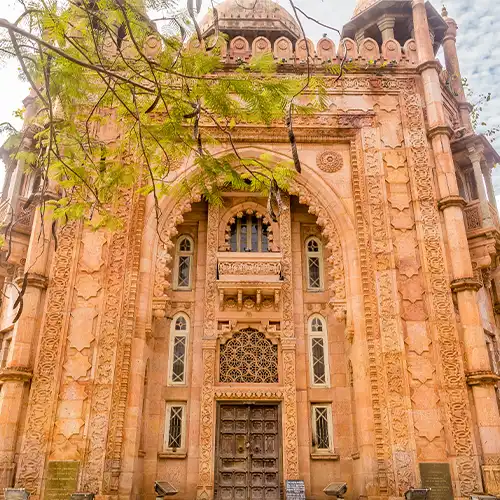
477	41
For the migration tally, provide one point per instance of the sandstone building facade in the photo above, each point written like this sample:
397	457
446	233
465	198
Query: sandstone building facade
355	340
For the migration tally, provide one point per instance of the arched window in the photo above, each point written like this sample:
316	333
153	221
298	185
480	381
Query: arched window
179	331
314	261
318	351
249	233
184	263
249	358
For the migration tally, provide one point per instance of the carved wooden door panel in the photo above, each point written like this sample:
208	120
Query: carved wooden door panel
248	452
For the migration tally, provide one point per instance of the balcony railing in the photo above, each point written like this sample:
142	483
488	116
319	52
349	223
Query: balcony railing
474	218
249	266
23	217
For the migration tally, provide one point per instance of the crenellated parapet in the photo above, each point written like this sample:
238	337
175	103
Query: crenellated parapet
285	51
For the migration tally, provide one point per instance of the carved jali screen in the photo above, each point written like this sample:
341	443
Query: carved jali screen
249	357
248	457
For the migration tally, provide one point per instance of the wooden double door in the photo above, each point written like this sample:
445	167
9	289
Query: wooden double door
248	455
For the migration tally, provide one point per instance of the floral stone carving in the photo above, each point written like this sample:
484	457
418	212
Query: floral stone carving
330	161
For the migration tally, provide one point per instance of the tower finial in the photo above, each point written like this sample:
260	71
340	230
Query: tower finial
444	12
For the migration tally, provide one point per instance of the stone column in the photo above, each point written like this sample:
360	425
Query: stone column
486	169
476	355
386	26
453	68
359	36
18	371
475	156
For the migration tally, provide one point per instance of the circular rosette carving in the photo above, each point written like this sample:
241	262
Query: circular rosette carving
330	161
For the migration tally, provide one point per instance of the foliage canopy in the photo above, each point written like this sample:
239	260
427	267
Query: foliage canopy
109	114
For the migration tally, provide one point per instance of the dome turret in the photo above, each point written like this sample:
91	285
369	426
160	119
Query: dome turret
252	18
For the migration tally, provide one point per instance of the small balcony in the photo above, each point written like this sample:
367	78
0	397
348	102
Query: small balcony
258	267
249	280
22	218
474	221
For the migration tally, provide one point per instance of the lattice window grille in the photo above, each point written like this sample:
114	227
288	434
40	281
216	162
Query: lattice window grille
322	431
184	262
316	325
314	258
179	354
318	351
249	357
178	350
318	360
322	428
175	427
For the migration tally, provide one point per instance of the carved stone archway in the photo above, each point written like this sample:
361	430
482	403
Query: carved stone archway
286	388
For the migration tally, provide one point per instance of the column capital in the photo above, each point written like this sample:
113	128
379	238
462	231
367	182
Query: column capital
16	373
462	284
475	153
451	201
440	130
209	343
434	63
483	377
359	36
288	343
33	280
386	22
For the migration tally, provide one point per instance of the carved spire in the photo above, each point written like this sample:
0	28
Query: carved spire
362	5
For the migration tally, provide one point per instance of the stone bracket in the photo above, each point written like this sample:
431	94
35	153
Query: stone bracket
462	284
484	377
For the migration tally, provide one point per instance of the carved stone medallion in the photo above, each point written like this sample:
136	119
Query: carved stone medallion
329	161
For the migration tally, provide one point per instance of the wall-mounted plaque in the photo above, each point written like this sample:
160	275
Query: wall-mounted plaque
295	490
16	494
62	479
437	477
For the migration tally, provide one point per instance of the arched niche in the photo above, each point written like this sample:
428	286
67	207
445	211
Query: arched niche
347	46
152	46
410	51
239	48
391	50
311	190
301	48
261	45
245	208
283	49
325	50
369	50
